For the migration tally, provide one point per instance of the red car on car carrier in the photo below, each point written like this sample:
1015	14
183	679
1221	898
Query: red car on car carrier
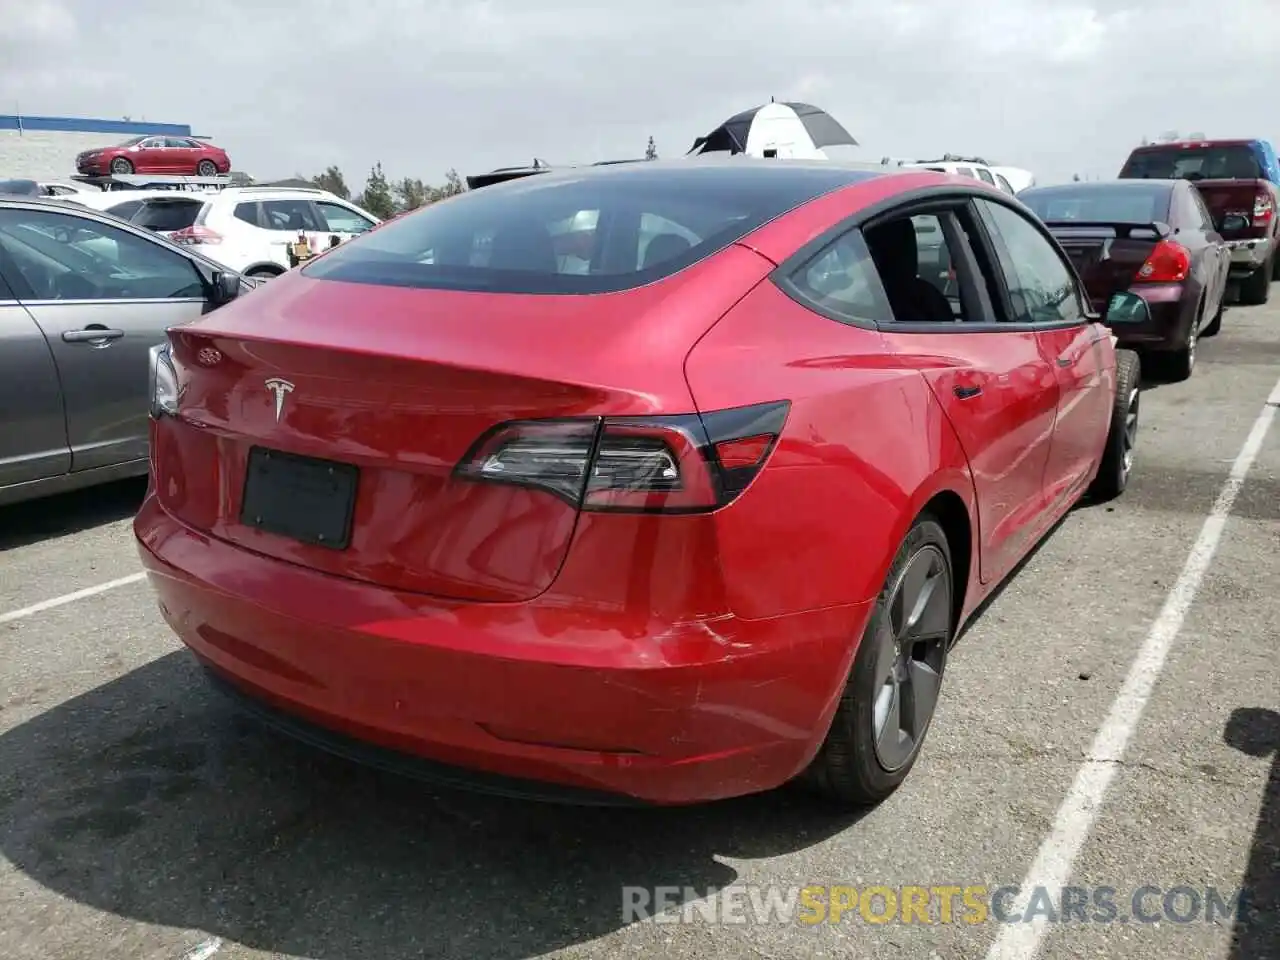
176	156
682	513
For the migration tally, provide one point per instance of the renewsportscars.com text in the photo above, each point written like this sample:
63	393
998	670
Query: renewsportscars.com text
935	904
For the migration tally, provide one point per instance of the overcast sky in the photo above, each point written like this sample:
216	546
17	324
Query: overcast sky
288	87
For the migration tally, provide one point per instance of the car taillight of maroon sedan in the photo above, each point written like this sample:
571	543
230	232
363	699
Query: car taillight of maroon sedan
661	483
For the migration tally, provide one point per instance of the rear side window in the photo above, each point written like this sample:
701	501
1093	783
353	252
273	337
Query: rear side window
248	212
986	176
1202	215
608	230
167	215
841	282
1234	162
1101	203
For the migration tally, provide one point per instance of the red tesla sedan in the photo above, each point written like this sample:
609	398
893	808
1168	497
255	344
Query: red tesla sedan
682	513
178	156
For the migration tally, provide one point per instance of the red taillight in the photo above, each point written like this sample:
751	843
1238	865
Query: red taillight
1169	263
682	464
1264	208
195	235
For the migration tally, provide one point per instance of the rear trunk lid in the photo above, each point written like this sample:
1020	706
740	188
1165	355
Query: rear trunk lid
1107	255
391	388
1240	198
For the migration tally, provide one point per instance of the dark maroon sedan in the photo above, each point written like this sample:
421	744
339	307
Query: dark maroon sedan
177	156
1153	238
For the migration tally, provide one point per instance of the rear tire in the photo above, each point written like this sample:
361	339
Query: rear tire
206	168
264	273
892	690
1178	365
1256	288
1215	325
1122	436
122	166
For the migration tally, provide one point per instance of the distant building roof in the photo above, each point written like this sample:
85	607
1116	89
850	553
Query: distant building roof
124	128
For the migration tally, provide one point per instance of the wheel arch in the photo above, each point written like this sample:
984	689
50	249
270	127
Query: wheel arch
953	515
264	266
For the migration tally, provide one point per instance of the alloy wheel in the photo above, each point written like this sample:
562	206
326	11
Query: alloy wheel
1130	430
912	649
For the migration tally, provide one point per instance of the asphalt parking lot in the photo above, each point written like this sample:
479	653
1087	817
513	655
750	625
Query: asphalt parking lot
142	818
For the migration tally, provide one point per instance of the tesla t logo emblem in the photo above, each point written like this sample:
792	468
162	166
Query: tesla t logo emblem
279	388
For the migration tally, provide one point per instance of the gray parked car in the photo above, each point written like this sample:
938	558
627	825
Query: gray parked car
83	298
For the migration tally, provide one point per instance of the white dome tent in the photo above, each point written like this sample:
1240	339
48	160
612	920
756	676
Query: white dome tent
785	130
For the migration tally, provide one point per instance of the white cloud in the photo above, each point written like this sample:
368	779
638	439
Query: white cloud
291	86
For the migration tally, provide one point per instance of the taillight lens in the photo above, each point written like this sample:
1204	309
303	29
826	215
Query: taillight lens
192	235
164	382
1264	208
1169	263
689	463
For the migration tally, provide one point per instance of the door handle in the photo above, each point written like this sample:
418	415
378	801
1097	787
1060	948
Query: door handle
964	393
94	333
1065	361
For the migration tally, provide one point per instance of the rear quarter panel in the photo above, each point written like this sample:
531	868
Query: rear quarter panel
865	447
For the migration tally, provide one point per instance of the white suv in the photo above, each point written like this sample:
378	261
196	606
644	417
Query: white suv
249	229
972	169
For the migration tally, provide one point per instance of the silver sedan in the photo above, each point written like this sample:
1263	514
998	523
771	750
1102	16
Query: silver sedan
83	298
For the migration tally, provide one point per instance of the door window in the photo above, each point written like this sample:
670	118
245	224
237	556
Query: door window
63	257
986	175
340	219
1042	288
290	215
1005	185
916	258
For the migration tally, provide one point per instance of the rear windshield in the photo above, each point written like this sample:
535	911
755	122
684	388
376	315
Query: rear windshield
1235	162
608	229
1101	203
167	215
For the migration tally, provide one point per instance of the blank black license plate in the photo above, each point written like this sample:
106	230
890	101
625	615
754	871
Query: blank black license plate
300	497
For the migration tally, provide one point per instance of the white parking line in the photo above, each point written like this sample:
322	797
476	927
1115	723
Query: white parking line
1079	811
204	949
68	598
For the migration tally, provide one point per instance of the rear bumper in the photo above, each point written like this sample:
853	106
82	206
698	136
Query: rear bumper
531	698
1248	255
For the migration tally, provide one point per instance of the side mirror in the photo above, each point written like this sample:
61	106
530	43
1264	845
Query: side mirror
1126	308
226	287
1233	222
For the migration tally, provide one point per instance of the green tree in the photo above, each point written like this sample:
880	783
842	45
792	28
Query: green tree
377	197
411	193
333	181
453	185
